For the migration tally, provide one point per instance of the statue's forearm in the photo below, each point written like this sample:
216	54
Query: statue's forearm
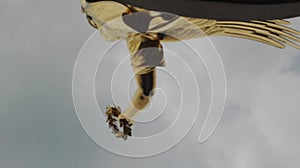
146	84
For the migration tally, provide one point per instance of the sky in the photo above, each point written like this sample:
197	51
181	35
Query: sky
40	42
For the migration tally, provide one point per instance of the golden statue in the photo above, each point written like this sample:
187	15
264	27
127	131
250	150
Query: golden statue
110	18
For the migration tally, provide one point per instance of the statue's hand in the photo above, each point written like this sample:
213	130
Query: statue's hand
122	116
114	115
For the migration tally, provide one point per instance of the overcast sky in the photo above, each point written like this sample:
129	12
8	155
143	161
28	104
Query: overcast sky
40	41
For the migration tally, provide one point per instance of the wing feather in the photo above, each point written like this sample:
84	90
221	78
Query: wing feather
272	32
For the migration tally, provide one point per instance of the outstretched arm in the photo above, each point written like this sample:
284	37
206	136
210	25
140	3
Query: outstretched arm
146	53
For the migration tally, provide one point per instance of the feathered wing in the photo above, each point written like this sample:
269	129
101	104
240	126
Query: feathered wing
272	32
